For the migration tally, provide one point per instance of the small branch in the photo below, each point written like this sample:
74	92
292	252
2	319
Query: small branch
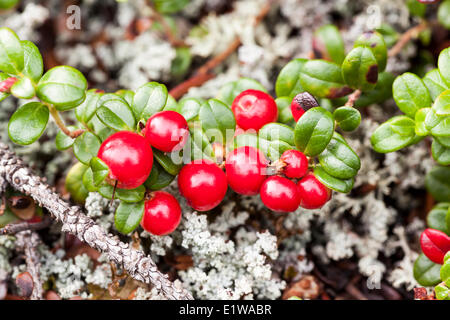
135	262
203	73
406	37
60	123
173	39
14	228
353	97
28	241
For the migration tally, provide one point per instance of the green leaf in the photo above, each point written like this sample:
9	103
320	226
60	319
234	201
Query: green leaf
63	86
28	123
442	292
416	8
410	94
444	65
189	108
437	182
284	110
149	99
217	121
442	104
426	271
166	162
171	104
323	79
394	134
443	14
436	217
74	183
273	139
100	170
381	92
88	180
336	184
128	216
169	6
375	41
440	153
11	52
442	128
86	146
62	141
181	63
23	88
313	131
127	95
117	115
126	195
360	69
445	270
421	129
339	160
85	111
232	89
200	144
33	64
8	4
389	34
328	44
435	83
288	81
159	178
445	141
347	118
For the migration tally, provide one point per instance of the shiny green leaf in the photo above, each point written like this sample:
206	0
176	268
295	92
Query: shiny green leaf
328	44
339	185
437	182
288	81
11	52
347	118
33	64
436	218
116	114
440	153
360	69
86	146
128	216
435	83
23	88
149	99
62	141
74	183
394	134
442	104
28	123
426	271
410	94
375	41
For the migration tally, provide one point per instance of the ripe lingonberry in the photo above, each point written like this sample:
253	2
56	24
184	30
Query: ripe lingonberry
253	109
167	131
313	194
302	103
162	213
279	194
435	244
129	158
295	163
203	184
246	170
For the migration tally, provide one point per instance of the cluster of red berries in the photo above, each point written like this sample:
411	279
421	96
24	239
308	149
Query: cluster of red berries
435	244
203	183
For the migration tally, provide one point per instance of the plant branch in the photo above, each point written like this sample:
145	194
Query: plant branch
135	262
173	39
406	37
203	73
27	241
60	123
14	228
352	98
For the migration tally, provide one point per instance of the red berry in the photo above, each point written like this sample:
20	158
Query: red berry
302	103
6	84
279	194
246	170
435	244
296	163
313	194
162	213
167	131
203	184
253	109
129	158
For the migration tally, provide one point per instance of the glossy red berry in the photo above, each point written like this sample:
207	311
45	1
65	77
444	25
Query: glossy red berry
302	103
203	184
295	163
435	244
253	109
129	158
167	131
279	194
162	213
246	170
313	194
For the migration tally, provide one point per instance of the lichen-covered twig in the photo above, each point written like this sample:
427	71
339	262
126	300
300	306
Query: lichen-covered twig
27	241
135	262
14	228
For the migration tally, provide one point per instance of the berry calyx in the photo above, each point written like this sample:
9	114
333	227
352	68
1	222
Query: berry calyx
129	158
435	244
313	194
302	103
162	213
279	194
245	168
167	131
253	109
203	184
295	164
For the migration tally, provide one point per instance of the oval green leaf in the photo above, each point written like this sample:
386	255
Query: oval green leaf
360	69
128	216
11	52
426	271
28	123
437	182
336	184
149	99
288	81
86	146
394	134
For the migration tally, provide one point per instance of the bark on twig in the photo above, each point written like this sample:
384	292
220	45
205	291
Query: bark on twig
352	98
14	228
406	37
135	262
27	241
